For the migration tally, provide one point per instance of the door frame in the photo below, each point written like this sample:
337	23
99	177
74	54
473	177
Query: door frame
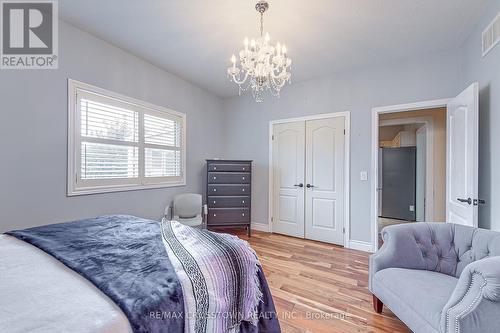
429	158
347	162
376	111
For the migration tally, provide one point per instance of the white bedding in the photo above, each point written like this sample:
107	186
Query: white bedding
40	294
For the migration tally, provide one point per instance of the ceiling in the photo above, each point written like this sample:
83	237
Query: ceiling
195	39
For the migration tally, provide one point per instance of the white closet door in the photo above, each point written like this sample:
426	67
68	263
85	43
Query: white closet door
325	180
288	175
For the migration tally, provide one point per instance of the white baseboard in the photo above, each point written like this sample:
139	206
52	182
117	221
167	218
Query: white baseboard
259	226
353	244
360	245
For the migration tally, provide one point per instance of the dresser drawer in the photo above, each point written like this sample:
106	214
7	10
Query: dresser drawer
214	190
217	202
228	215
229	178
232	167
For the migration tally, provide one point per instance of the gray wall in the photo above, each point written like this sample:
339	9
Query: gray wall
33	128
487	72
423	78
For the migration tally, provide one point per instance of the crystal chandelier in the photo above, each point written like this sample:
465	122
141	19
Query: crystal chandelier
262	66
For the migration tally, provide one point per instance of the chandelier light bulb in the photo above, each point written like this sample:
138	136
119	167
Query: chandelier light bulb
262	67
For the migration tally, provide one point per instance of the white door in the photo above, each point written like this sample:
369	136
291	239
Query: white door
421	173
379	182
325	180
462	157
288	177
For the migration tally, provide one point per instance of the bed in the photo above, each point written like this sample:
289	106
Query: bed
120	274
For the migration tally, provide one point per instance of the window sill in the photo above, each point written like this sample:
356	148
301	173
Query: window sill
120	188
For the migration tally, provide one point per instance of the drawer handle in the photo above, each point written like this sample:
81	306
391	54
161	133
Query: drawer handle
215	177
243	178
242	214
214	201
243	189
215	190
215	168
242	201
243	169
215	215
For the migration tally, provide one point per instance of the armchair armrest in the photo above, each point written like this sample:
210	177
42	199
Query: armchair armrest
205	216
400	249
474	305
168	213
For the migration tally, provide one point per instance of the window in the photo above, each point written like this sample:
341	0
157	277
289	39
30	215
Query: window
117	143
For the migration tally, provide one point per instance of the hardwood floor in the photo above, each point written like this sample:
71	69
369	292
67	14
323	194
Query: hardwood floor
318	287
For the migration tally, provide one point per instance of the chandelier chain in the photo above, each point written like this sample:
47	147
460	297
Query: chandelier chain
261	24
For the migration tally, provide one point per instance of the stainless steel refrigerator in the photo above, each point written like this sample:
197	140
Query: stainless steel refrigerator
398	180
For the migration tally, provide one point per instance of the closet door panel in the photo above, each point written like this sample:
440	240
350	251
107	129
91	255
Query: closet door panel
288	174
324	194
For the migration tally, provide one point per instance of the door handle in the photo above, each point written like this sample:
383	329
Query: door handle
299	185
310	186
468	200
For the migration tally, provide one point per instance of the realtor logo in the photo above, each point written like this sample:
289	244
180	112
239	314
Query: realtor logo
28	34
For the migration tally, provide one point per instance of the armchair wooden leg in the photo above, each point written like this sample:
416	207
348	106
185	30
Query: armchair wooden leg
249	231
377	304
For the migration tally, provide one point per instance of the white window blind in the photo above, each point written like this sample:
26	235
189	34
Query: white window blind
103	161
163	146
119	143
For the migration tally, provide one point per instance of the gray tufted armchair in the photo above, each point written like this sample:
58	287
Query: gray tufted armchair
439	277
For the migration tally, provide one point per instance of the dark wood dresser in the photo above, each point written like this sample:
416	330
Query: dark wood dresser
228	193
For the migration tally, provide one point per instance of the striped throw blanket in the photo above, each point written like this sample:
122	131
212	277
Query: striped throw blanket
219	278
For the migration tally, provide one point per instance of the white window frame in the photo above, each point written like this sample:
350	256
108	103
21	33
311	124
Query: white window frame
78	187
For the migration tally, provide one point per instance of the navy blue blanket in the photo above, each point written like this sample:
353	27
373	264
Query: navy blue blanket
125	258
